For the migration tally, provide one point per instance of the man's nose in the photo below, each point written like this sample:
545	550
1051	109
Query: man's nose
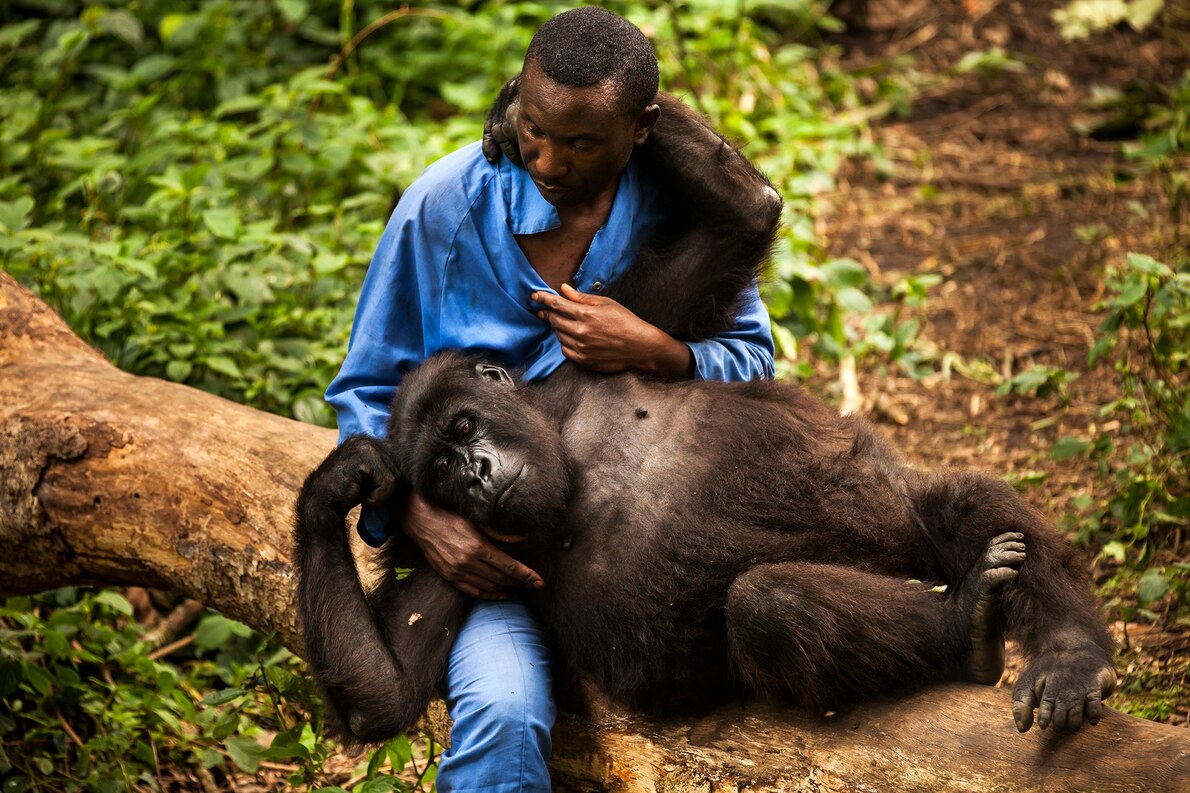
551	163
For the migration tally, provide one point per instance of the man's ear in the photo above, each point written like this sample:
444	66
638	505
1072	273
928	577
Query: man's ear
644	123
495	374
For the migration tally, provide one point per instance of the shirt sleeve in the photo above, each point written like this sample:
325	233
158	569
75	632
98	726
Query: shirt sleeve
387	340
745	352
387	332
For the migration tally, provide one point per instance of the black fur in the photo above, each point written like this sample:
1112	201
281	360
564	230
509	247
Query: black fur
737	537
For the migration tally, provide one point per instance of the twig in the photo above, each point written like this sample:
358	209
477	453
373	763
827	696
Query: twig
178	620
169	648
364	32
68	729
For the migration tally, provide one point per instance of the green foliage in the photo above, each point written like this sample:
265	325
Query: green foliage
1040	381
1145	337
1081	18
86	705
1154	122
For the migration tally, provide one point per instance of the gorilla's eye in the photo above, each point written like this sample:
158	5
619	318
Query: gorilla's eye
443	465
465	428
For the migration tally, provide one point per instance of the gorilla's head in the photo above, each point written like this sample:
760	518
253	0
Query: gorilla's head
467	439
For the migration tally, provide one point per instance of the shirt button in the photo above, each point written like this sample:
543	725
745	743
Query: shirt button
597	286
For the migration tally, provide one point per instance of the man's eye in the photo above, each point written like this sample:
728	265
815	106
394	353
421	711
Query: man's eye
583	145
534	132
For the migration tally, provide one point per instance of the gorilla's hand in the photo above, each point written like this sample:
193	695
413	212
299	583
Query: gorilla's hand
462	555
499	130
360	471
1066	686
599	334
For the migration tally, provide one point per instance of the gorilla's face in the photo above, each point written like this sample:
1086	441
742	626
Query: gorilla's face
477	447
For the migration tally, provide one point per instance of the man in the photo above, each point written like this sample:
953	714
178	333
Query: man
507	263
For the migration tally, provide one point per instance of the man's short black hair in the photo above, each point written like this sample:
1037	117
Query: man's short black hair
588	46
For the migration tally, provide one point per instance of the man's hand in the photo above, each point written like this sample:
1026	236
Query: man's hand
599	334
459	552
499	130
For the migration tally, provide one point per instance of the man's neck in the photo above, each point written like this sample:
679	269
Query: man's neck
557	254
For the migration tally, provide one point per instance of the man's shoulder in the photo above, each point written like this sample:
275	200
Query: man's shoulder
450	186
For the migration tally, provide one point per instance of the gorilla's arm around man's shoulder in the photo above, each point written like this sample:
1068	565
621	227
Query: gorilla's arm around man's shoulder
720	221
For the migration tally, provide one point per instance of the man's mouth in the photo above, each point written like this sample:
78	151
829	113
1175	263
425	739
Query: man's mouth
550	189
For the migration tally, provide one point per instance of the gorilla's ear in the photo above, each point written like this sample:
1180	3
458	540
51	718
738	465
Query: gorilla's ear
495	374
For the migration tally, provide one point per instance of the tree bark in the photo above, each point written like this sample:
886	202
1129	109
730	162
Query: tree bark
108	478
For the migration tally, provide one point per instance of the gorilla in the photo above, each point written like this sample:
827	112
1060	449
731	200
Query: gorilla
699	540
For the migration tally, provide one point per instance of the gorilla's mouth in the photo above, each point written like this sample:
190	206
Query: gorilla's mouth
503	497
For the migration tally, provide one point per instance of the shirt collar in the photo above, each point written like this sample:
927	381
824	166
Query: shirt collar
530	213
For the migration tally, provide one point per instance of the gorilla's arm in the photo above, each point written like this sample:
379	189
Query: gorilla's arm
721	222
377	666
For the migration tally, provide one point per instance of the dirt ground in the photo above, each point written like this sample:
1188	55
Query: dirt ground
995	190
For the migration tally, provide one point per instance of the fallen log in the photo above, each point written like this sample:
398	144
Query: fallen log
108	478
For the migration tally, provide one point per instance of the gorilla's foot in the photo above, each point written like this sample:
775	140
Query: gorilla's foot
981	597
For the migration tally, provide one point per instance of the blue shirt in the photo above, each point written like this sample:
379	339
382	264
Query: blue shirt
448	274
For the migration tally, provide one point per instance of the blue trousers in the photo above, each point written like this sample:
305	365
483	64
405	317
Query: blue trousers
498	694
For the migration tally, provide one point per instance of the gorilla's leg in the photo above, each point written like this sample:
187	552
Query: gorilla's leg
1049	609
823	634
980	597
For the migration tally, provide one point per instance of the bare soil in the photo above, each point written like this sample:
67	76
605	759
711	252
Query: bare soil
996	190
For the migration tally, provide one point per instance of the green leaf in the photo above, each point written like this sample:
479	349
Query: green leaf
223	365
223	223
293	11
1065	448
225	695
1147	264
853	300
844	272
240	104
13	35
115	601
403	572
123	26
178	371
213	631
14	214
1151	586
1141	13
245	752
10	677
1133	291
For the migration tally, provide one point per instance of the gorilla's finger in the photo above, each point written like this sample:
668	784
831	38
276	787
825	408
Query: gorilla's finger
1068	713
377	486
1107	681
1045	708
1094	707
1008	535
1023	702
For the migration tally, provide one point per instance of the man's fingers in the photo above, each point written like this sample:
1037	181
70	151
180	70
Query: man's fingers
500	536
510	572
554	303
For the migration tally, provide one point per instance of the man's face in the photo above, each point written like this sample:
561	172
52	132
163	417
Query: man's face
575	141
